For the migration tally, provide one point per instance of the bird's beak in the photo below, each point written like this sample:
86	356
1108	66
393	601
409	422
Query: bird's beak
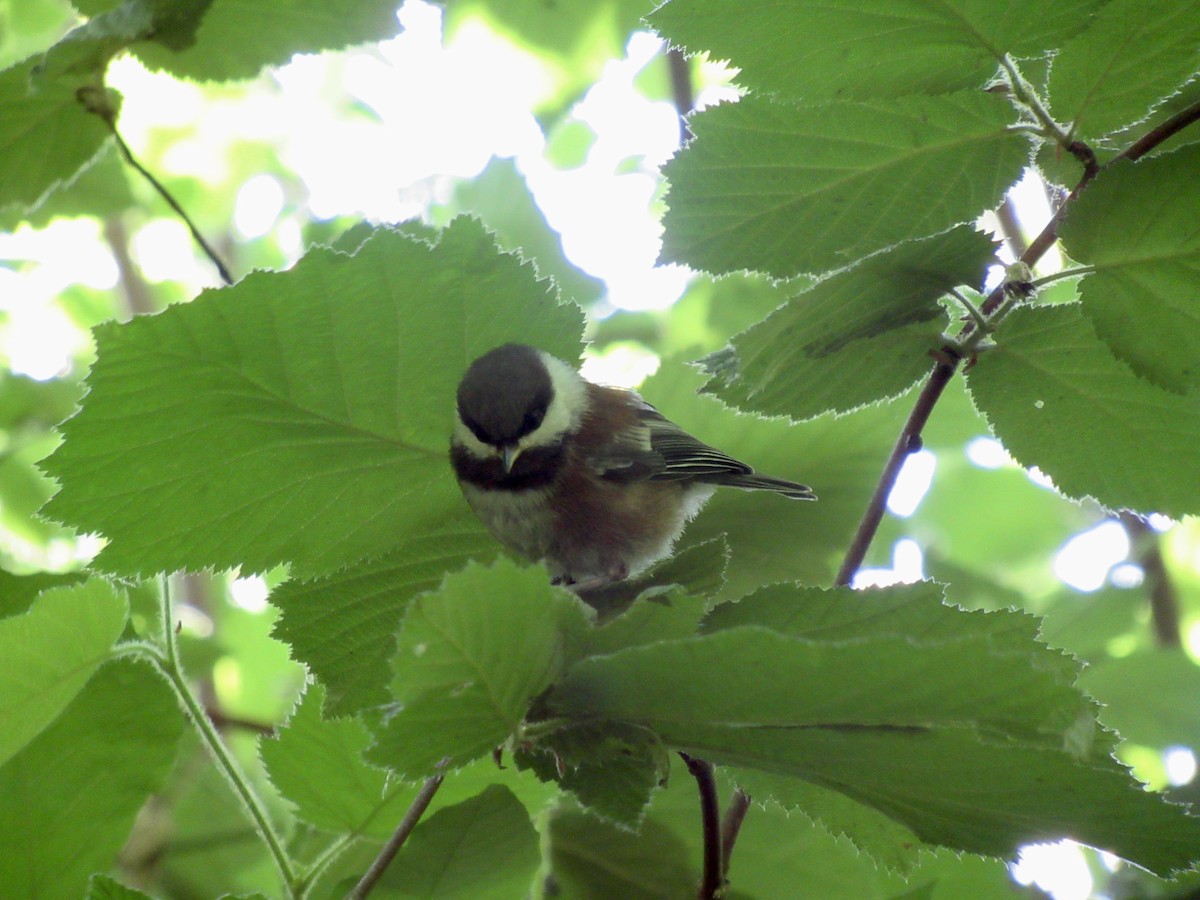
508	456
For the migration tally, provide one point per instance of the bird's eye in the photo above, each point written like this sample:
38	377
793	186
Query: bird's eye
532	420
475	428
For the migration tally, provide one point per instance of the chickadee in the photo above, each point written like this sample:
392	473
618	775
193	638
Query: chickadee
591	480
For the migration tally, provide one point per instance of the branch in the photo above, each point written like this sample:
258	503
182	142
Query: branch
95	100
681	89
710	817
399	836
1164	598
908	442
1160	133
948	359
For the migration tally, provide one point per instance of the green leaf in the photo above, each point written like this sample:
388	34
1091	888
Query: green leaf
318	765
470	657
210	41
611	768
500	196
79	785
785	189
1124	65
771	538
699	569
101	887
856	336
297	387
1057	399
480	849
46	136
915	611
884	841
48	654
659	615
17	592
1144	298
875	682
1148	696
954	789
343	626
844	49
591	859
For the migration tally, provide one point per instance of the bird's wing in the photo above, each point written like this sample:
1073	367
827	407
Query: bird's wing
658	449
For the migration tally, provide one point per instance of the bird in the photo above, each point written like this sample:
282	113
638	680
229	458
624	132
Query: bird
590	480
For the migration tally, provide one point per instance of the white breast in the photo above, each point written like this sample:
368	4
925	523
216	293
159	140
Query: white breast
521	520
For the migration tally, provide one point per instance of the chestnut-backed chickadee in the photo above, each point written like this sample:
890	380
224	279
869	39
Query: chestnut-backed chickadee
591	480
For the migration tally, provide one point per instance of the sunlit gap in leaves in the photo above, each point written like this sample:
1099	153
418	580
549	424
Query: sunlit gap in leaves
1060	869
39	337
249	593
1180	765
1084	561
908	565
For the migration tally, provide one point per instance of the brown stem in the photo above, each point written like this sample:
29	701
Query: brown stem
96	101
1160	589
139	299
681	89
1160	133
910	437
908	442
396	841
731	825
710	817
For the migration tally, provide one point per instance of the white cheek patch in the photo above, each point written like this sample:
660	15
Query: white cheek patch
464	437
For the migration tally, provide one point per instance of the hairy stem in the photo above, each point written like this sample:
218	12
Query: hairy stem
396	841
169	664
710	817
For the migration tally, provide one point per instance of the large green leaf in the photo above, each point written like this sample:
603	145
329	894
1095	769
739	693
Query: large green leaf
469	659
1123	66
954	789
72	794
299	416
891	734
1058	400
343	626
755	677
1136	226
819	50
484	848
48	654
46	135
209	40
317	764
785	189
591	859
856	336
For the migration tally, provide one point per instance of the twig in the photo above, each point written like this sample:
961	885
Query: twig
169	664
1164	598
681	89
96	101
139	299
399	836
908	442
1160	133
947	359
731	825
710	817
